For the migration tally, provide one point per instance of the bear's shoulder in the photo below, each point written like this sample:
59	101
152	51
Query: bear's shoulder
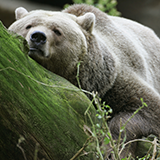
111	23
81	9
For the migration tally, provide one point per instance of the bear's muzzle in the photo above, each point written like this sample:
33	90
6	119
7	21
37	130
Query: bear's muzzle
38	38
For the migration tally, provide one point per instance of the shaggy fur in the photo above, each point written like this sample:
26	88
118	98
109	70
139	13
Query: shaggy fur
119	58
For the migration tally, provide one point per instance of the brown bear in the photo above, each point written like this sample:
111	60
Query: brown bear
120	59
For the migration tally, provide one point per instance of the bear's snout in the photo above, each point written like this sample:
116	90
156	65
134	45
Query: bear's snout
38	38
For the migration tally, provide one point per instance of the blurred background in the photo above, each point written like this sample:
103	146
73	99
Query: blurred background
146	12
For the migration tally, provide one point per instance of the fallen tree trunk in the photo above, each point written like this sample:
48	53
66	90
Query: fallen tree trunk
41	114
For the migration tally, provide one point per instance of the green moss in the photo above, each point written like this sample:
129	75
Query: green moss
37	104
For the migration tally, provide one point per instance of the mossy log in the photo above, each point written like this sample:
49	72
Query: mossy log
38	106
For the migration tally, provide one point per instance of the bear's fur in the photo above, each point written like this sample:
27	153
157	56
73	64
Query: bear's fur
119	58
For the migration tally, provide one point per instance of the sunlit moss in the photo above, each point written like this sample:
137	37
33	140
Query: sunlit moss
37	104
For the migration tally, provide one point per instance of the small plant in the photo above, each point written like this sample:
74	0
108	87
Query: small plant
101	134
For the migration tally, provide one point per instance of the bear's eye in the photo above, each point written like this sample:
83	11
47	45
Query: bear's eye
29	26
57	32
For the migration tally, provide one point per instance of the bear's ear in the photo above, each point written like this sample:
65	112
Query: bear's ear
20	12
87	21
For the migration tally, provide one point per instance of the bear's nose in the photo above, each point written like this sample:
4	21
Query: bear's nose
38	37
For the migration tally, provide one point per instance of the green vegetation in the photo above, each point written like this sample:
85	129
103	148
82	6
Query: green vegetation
101	137
108	6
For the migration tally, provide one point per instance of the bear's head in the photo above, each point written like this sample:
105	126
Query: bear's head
57	40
